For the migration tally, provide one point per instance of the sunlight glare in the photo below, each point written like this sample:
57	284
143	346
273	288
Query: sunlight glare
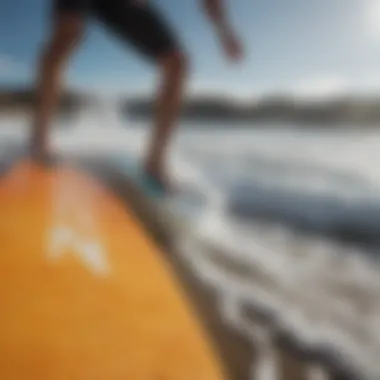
373	17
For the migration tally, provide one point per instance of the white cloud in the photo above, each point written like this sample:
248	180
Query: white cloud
369	84
324	87
320	87
109	89
9	67
223	88
372	17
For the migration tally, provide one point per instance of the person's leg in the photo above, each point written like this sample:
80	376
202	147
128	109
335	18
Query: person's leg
173	70
67	28
142	26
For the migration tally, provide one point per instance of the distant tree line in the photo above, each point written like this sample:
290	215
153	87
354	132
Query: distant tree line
216	108
281	109
25	98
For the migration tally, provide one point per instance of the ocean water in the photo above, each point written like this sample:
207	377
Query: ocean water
284	220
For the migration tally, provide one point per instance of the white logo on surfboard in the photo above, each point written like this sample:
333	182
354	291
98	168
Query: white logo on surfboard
90	252
74	229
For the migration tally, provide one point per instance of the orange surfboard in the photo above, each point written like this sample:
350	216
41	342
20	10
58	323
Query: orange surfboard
84	293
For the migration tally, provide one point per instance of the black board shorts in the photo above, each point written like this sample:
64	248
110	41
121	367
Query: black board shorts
135	21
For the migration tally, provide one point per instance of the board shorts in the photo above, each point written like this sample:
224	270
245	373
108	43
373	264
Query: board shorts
135	21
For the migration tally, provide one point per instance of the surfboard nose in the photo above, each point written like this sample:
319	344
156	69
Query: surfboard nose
84	293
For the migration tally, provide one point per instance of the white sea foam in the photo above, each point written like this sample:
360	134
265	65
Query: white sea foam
323	292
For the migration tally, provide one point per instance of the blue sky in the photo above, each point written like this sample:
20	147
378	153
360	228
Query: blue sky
306	47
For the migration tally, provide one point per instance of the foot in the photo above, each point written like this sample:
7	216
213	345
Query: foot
41	155
160	177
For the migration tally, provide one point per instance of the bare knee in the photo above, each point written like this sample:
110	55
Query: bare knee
176	64
53	57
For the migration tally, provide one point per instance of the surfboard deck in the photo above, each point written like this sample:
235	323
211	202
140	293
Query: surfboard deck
85	294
